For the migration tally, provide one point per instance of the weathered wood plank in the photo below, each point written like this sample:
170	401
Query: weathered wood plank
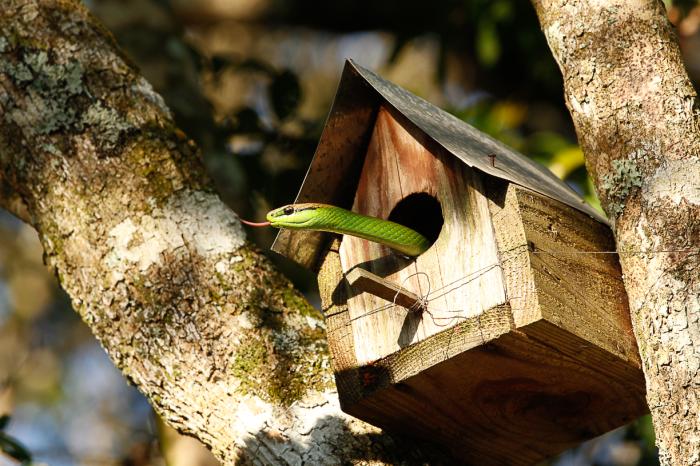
551	363
550	274
577	291
510	236
512	400
333	291
364	281
459	274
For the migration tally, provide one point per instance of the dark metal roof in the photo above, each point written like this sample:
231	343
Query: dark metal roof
335	169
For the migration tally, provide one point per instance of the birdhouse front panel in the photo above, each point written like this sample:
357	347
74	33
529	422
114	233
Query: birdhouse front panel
408	179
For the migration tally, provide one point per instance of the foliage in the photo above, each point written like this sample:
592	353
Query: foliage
505	121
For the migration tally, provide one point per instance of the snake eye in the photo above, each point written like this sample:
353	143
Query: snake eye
288	210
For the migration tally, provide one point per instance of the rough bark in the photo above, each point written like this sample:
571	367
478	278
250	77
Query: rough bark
636	116
159	268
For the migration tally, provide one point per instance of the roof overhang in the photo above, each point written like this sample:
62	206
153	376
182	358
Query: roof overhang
335	169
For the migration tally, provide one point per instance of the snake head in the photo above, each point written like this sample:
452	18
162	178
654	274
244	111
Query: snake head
293	216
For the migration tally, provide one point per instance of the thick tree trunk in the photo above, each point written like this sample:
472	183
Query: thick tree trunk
156	265
636	116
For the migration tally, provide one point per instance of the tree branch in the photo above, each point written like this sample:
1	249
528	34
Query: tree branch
636	116
221	344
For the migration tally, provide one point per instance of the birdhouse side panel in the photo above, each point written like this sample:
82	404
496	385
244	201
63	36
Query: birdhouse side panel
577	275
458	277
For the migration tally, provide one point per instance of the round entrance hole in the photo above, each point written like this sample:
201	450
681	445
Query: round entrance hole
421	212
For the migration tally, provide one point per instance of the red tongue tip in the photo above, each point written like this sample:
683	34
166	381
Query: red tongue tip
254	224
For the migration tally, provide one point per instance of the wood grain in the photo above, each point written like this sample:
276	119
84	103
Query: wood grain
512	400
364	281
461	272
552	362
550	274
577	291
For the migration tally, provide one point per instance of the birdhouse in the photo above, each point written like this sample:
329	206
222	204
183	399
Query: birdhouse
508	340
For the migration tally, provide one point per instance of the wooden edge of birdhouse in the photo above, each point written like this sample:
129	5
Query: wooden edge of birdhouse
511	400
560	266
554	365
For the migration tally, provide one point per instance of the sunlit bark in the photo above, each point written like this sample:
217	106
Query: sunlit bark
158	267
636	116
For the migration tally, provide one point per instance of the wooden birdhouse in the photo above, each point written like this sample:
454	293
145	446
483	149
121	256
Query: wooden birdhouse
506	342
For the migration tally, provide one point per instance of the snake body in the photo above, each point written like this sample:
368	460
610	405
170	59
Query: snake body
324	217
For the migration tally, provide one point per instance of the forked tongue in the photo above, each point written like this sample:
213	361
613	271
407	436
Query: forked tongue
254	224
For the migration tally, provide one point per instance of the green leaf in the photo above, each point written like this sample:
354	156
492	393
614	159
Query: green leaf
645	429
592	198
488	45
4	420
501	10
547	142
285	94
566	160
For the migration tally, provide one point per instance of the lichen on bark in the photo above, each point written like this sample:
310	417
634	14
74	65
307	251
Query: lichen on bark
158	267
130	225
622	181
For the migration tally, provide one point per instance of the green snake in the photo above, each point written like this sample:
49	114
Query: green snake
324	217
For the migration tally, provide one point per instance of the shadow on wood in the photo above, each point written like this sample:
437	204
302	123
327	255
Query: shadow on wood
520	345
